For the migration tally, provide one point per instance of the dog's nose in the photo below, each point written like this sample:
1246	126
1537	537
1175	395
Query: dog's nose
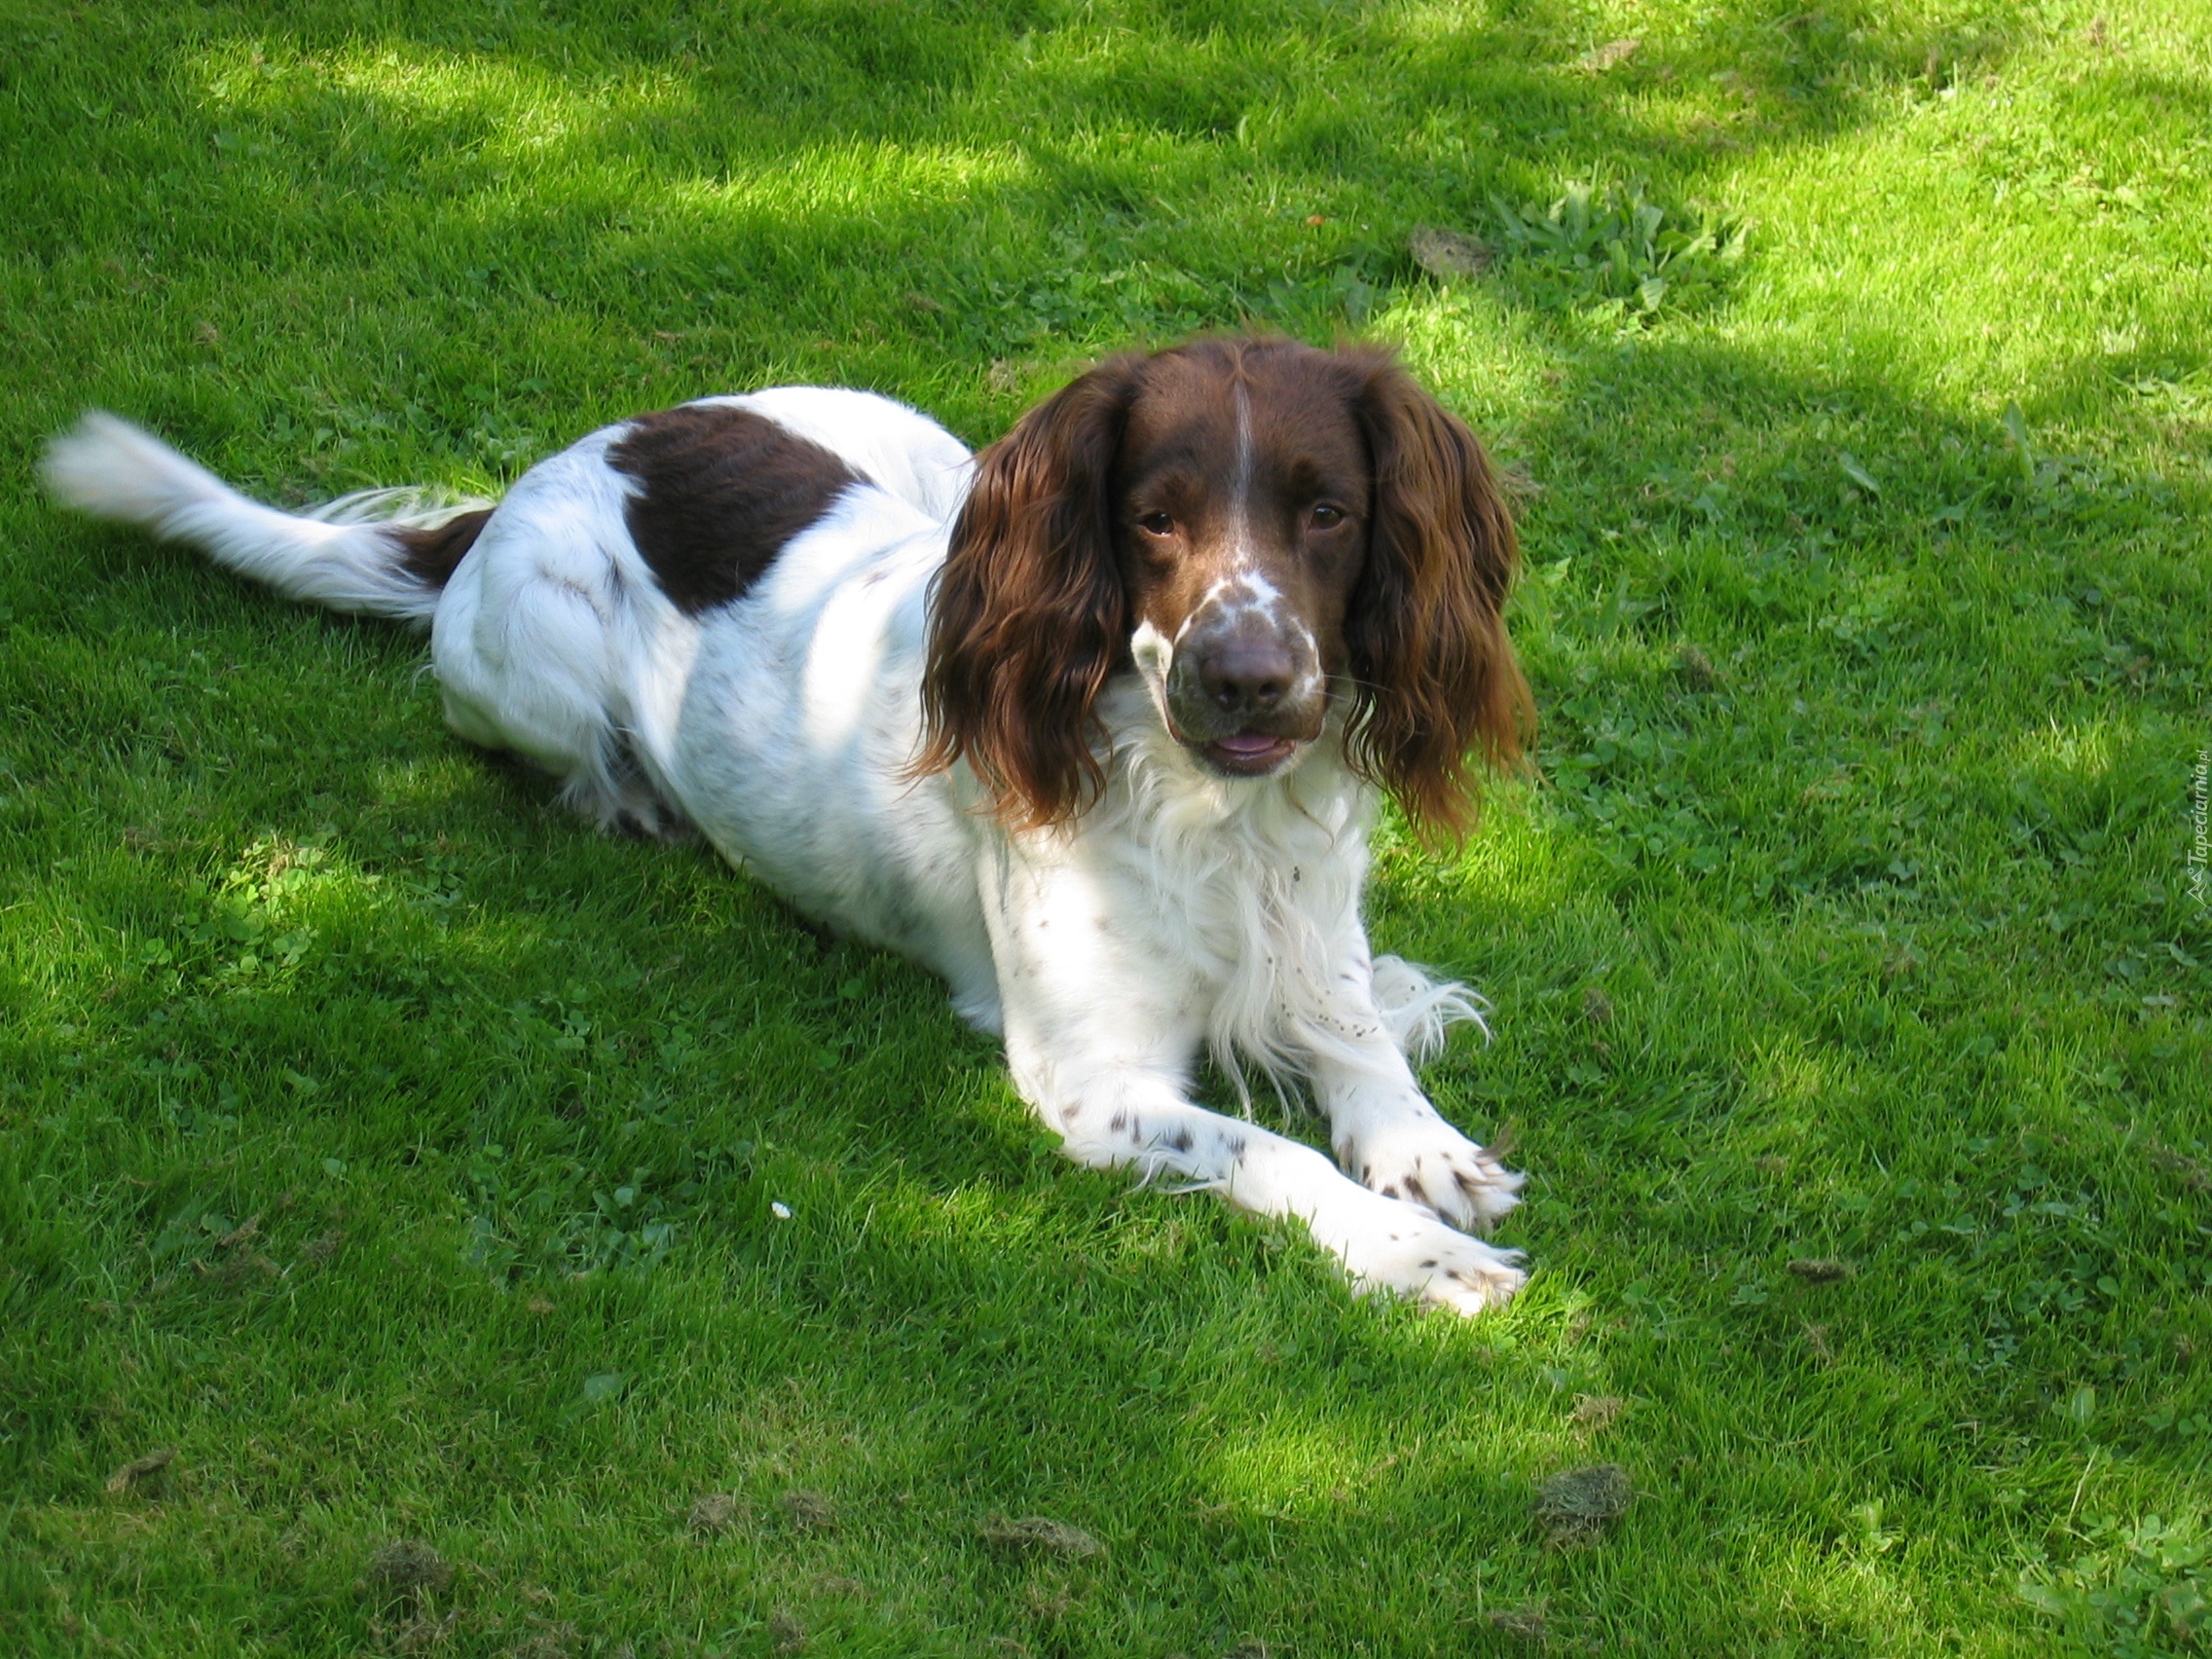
1248	673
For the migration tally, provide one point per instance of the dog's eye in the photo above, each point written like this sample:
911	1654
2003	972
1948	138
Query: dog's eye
1157	523
1326	517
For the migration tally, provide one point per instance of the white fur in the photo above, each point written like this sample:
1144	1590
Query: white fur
1184	911
335	556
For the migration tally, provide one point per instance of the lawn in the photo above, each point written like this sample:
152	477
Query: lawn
414	1165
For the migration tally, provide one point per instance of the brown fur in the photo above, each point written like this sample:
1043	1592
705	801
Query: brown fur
1435	673
432	556
721	489
1050	569
1030	615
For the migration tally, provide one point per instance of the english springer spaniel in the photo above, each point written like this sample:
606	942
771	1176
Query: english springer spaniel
1092	725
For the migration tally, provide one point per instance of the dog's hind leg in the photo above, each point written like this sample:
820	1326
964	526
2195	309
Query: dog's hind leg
528	645
639	808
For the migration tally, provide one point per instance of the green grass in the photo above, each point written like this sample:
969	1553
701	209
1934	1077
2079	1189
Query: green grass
403	1155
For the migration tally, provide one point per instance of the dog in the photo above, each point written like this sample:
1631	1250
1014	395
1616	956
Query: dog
1093	724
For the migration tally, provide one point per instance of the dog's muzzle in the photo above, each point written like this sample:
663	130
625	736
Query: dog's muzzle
1246	691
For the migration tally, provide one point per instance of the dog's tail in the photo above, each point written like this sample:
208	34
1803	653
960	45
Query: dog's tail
380	552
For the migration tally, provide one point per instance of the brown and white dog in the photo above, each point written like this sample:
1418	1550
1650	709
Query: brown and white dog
1093	724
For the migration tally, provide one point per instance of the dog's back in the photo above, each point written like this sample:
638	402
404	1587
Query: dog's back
542	607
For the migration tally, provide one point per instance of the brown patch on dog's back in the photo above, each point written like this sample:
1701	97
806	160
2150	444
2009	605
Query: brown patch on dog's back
432	556
721	491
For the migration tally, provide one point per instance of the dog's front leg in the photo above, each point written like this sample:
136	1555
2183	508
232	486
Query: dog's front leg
1102	1027
1124	1118
1383	1130
1388	1137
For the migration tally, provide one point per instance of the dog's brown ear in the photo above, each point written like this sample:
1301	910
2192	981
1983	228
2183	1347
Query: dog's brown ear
1030	615
1435	674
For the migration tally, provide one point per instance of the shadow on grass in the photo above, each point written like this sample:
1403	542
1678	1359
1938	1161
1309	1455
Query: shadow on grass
1037	180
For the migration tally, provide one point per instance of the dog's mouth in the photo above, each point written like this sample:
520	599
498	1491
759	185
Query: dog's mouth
1248	753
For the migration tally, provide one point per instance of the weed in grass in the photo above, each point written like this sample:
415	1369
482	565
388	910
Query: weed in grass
1612	56
1575	1506
1041	1535
2135	1589
1448	254
1523	1625
1606	246
808	1511
1820	1270
714	1513
407	1571
1596	1413
1696	669
142	1473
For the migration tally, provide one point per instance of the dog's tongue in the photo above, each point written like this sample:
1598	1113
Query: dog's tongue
1247	742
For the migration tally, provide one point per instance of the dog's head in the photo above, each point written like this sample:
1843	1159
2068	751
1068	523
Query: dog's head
1261	530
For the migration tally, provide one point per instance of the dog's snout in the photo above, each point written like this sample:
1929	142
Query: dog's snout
1243	670
1247	673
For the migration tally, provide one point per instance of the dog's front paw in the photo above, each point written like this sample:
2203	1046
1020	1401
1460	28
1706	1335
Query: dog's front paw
1427	1162
1398	1249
